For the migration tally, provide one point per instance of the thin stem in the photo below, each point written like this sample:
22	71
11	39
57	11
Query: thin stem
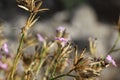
54	69
39	67
17	57
62	75
41	61
114	45
19	53
48	69
52	65
115	50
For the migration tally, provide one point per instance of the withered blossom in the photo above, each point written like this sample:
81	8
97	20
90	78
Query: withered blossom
31	5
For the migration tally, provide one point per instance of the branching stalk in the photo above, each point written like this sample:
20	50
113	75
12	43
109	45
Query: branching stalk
17	57
114	45
19	52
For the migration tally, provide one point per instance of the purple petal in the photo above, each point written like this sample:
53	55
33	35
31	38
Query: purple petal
61	39
5	48
114	63
61	29
111	60
3	66
40	38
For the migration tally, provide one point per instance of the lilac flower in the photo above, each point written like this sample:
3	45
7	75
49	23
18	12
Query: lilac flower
3	65
61	39
40	38
111	60
5	48
60	29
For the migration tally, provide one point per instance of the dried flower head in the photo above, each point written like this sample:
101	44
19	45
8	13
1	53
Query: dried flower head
92	44
88	67
31	5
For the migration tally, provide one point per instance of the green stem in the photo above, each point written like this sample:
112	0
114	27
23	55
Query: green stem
114	45
48	69
17	57
42	60
39	67
52	64
54	69
115	50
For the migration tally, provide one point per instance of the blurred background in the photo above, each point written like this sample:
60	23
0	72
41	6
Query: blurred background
82	18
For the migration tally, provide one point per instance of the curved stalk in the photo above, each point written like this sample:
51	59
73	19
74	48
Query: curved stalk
17	57
114	45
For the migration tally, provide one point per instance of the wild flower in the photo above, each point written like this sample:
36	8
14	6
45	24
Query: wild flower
40	38
3	66
4	51
61	32
5	48
61	29
111	60
61	39
62	36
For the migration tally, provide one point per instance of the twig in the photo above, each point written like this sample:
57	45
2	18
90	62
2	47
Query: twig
62	75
